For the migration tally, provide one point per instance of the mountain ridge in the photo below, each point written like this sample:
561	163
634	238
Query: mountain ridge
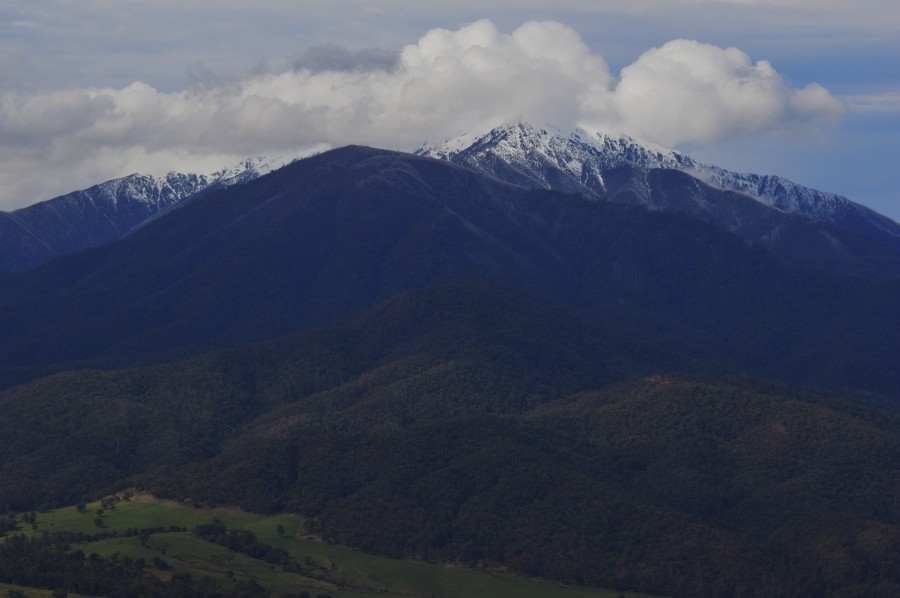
573	161
475	423
425	360
331	235
532	153
108	211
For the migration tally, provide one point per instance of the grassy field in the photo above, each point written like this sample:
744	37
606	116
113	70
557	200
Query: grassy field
332	570
6	588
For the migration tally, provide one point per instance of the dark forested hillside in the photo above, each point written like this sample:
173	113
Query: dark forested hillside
429	362
665	485
337	233
476	424
434	353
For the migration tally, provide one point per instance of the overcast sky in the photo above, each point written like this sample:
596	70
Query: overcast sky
96	89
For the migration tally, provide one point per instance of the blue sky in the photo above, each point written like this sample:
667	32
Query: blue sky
95	89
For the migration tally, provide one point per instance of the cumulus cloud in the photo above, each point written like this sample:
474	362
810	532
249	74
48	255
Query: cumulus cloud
687	91
448	83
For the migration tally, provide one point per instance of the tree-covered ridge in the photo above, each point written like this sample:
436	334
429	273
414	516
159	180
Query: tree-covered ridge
438	352
463	370
474	424
336	234
665	485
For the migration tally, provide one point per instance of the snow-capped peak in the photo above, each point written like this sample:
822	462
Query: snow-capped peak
251	168
161	191
518	140
573	160
579	160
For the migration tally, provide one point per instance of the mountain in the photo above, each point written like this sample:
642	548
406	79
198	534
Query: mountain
106	212
424	360
480	424
810	227
337	233
483	342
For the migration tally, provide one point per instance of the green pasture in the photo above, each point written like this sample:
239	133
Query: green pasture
338	571
6	588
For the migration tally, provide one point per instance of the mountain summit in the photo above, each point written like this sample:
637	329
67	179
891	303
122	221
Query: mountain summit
460	368
108	211
329	236
616	168
804	226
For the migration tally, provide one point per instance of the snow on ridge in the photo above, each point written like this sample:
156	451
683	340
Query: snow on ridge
253	167
519	138
160	191
448	148
522	144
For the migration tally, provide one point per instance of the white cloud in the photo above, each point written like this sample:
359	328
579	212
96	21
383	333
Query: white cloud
686	91
449	82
